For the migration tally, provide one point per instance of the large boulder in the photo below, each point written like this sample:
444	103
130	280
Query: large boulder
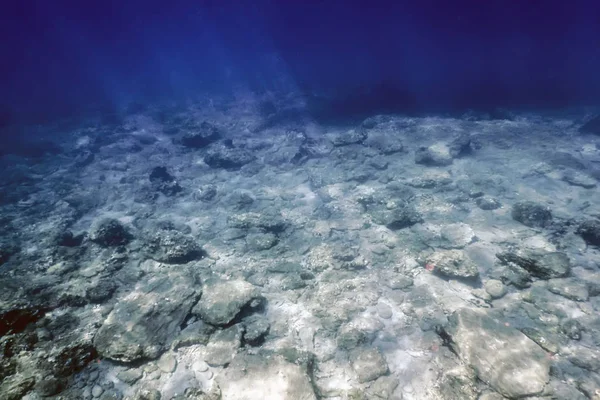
223	300
145	321
502	357
541	265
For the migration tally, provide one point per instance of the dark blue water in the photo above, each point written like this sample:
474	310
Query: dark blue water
60	58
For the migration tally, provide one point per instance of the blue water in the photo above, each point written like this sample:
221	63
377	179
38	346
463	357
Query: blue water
60	58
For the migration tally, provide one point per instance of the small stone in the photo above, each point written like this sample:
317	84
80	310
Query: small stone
384	310
167	363
97	391
93	376
369	364
130	376
453	264
399	282
200	366
488	203
495	288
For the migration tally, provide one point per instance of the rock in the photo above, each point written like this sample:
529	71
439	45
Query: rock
572	328
6	251
592	126
430	181
569	288
453	264
261	241
109	232
384	310
202	136
97	391
586	358
383	388
545	340
15	319
360	331
205	193
251	377
223	346
101	291
368	364
227	157
502	357
577	178
154	311
456	236
164	182
495	288
458	383
437	155
541	265
531	214
71	359
256	328
590	232
50	386
384	143
147	394
265	222
487	203
399	282
167	363
560	390
222	300
172	247
130	376
196	333
397	218
353	136
460	145
15	387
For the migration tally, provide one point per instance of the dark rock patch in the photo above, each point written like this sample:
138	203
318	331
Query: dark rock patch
592	126
109	232
228	157
590	232
531	214
201	136
541	265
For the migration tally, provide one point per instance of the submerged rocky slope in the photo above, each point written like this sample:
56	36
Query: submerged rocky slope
203	253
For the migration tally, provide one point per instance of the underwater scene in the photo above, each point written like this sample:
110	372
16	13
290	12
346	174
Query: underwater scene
286	200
